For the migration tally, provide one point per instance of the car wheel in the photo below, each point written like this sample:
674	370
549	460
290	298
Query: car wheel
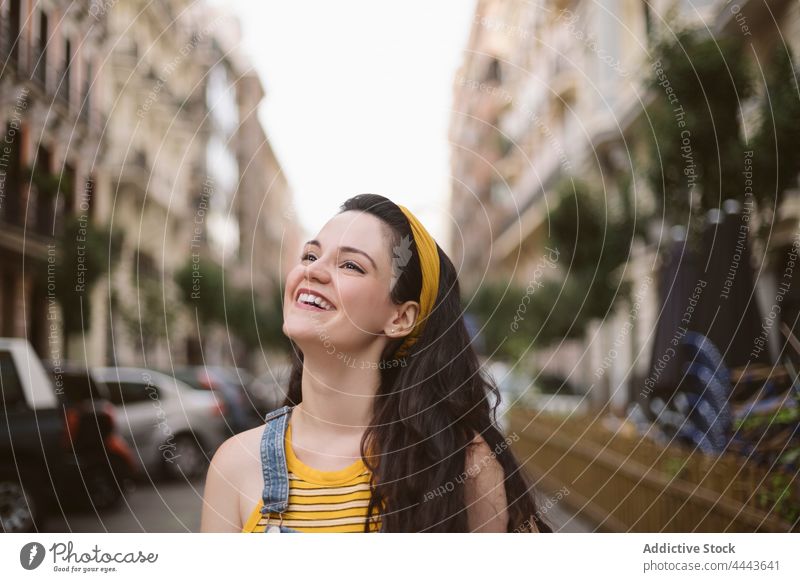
17	509
188	461
104	492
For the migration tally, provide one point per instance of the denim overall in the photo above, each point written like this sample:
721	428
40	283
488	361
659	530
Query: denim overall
273	466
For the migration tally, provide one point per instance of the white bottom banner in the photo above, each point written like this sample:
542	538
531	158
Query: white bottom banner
397	556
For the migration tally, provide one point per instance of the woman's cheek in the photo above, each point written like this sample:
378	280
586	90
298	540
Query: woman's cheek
367	313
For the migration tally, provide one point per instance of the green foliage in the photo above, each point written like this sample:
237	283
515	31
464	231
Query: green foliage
791	455
257	324
785	415
674	466
779	496
592	244
202	289
46	183
582	285
697	152
699	144
83	256
205	292
152	313
776	155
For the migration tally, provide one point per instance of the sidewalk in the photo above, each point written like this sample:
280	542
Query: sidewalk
564	520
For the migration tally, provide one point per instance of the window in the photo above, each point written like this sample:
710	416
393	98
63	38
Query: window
144	266
45	194
11	395
648	18
85	106
493	75
11	209
63	88
9	32
40	53
65	201
124	393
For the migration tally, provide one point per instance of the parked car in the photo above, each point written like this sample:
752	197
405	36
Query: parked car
544	391
268	391
173	428
92	424
559	395
242	379
239	412
44	463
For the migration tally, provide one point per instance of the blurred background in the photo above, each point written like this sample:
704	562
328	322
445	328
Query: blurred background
616	181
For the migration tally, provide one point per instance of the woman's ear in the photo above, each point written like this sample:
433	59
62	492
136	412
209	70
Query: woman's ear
402	323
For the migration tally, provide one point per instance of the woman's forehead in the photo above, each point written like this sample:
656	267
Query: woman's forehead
352	229
356	229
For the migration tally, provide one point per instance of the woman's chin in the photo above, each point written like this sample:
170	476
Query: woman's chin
313	345
305	333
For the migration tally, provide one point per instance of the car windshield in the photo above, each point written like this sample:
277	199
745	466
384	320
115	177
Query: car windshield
75	386
189	376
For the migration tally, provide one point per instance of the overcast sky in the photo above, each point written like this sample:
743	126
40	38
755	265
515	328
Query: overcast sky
358	98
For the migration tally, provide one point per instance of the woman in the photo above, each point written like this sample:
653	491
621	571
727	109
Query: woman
387	425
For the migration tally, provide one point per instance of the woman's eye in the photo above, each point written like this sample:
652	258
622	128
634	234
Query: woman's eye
346	264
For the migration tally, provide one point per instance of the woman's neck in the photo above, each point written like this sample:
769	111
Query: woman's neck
337	397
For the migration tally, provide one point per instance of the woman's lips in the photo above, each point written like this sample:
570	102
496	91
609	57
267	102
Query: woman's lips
302	305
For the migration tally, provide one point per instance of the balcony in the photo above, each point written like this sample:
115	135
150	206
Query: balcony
125	58
133	172
12	210
9	48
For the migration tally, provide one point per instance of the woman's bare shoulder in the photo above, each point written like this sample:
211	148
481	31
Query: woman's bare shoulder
241	451
232	484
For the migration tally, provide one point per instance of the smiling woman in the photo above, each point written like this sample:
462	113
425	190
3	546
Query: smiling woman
361	444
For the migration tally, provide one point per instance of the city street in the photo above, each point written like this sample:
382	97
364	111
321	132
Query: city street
175	507
161	507
553	241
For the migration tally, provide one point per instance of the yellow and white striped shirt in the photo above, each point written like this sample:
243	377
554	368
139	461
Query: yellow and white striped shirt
320	501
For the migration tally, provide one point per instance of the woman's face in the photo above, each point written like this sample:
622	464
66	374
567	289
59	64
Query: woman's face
348	264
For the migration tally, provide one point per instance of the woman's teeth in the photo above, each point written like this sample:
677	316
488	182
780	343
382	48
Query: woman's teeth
314	300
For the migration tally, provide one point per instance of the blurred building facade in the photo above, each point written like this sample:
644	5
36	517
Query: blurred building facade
49	55
268	248
151	151
558	90
149	110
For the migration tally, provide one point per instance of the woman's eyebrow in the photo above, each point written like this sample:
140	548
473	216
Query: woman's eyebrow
347	250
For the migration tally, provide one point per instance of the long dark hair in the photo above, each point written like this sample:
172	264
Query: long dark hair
427	411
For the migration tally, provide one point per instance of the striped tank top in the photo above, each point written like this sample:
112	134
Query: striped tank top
319	501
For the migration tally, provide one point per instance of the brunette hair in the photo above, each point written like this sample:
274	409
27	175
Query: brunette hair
427	412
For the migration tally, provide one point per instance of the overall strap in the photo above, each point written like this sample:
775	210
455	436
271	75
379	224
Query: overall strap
273	461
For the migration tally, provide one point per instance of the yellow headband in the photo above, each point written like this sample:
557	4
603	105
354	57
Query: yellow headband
429	264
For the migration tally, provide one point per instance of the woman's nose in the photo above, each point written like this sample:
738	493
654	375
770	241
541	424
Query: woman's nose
318	270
